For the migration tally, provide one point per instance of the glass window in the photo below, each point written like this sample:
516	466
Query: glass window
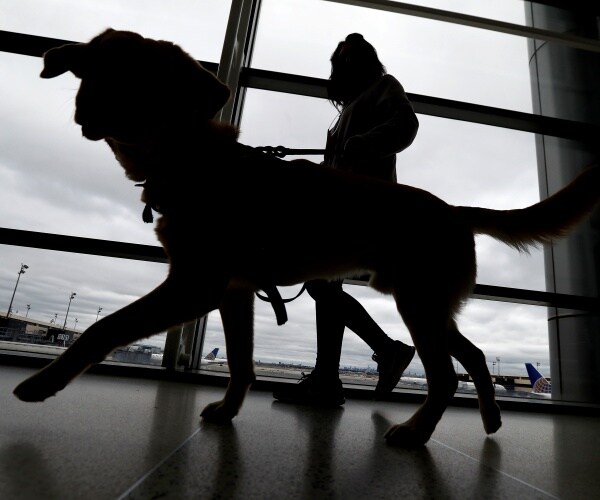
43	298
199	27
54	180
428	57
510	335
57	182
293	121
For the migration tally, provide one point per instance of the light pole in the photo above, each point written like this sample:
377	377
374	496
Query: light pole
493	367
69	307
53	320
98	313
498	359
75	327
28	307
22	271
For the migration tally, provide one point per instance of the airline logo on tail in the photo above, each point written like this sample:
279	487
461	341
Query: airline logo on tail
538	383
211	358
212	354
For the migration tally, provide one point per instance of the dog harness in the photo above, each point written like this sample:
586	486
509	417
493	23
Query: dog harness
272	293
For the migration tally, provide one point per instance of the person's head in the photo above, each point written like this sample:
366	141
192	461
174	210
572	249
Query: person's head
354	67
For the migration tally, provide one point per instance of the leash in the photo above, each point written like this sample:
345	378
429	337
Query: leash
274	297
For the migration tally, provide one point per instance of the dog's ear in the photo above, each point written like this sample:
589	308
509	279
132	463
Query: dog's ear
206	91
61	59
200	89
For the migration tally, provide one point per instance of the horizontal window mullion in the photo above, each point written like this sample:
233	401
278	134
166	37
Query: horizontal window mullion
434	106
105	248
77	244
521	296
28	45
577	42
35	45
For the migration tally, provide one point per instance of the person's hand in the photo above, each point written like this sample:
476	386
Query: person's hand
278	151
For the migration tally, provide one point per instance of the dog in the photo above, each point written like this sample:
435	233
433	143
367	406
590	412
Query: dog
154	105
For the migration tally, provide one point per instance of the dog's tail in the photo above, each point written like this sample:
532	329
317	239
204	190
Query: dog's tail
549	219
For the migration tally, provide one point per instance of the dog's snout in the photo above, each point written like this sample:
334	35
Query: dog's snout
89	129
90	121
91	133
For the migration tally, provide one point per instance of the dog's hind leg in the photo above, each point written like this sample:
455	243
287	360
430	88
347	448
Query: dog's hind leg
473	360
237	316
167	305
427	317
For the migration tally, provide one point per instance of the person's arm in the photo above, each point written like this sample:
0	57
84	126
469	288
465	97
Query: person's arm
397	124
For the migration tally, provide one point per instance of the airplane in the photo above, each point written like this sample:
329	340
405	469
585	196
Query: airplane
211	358
463	386
539	384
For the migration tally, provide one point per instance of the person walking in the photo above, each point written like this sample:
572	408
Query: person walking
376	121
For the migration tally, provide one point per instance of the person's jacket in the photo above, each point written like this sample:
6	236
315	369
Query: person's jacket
379	123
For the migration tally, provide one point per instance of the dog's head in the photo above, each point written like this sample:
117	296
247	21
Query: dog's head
133	88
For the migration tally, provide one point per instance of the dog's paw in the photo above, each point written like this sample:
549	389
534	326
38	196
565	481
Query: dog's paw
490	415
218	413
404	436
50	379
36	389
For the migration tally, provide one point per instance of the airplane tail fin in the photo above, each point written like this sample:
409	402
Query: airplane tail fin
212	354
551	218
538	382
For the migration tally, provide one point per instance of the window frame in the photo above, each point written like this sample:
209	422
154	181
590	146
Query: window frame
234	68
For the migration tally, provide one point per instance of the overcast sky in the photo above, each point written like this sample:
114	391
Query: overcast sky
55	181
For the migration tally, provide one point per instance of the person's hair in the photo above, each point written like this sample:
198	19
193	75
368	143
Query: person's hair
355	66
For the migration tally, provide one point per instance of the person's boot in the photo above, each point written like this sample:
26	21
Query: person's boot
390	365
314	390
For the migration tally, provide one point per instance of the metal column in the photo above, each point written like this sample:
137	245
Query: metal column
566	84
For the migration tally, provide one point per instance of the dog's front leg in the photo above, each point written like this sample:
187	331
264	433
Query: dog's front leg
165	306
237	315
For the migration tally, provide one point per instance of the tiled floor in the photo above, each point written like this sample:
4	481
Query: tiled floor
108	438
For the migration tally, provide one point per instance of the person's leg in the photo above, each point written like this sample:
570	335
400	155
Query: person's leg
360	322
336	309
322	386
328	296
392	356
